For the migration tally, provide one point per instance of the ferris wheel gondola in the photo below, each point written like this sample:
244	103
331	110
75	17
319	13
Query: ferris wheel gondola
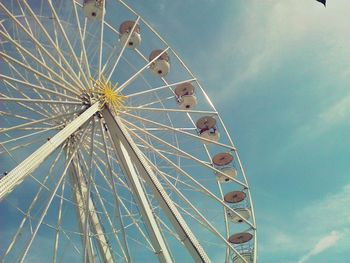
111	150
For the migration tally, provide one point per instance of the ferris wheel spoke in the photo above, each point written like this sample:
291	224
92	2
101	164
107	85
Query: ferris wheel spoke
38	88
31	134
18	174
47	225
227	227
167	229
41	62
58	184
72	52
88	214
126	252
100	232
204	189
177	181
43	111
138	180
203	163
137	225
202	220
35	122
8	99
72	73
8	58
85	186
135	220
9	114
119	133
82	39
169	110
17	147
153	148
101	39
174	129
108	217
157	101
25	61
136	75
120	200
30	30
160	88
123	48
31	206
59	221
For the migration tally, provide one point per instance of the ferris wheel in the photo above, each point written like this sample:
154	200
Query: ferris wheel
110	149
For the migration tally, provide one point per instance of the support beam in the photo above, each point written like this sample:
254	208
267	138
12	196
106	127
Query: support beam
79	188
130	157
23	170
127	160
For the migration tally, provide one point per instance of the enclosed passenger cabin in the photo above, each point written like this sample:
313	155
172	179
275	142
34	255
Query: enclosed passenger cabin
161	66
237	201
224	163
185	97
93	9
248	257
206	128
240	238
242	243
135	36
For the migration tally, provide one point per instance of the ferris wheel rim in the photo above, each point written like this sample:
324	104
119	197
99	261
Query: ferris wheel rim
133	109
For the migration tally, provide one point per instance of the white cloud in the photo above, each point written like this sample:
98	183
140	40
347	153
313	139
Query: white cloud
323	244
320	225
273	30
337	112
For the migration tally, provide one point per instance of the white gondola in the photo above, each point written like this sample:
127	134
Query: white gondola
240	238
93	9
206	127
243	244
248	257
185	96
235	200
161	66
125	30
223	162
242	213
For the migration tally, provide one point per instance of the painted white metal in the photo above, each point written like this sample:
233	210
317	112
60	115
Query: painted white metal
79	188
44	212
125	147
123	49
37	43
21	171
35	199
127	160
133	77
179	169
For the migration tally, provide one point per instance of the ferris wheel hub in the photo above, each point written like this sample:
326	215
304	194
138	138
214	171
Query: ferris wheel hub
106	94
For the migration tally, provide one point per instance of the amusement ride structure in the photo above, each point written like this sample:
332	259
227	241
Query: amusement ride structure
110	149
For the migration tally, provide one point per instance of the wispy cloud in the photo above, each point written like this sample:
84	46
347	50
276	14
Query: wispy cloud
321	224
323	244
273	30
337	112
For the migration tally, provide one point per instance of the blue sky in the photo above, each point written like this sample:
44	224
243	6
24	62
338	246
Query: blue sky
279	74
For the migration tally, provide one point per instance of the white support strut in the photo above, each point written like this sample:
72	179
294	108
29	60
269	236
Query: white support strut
79	188
130	156
123	152
27	166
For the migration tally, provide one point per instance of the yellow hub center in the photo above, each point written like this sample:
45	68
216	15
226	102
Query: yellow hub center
108	94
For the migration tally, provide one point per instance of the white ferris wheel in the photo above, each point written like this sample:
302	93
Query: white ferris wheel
110	150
